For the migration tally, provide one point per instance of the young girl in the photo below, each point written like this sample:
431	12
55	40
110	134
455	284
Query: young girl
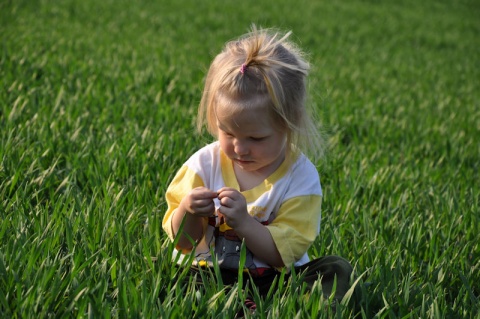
254	184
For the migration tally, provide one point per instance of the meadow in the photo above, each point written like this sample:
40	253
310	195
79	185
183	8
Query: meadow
97	108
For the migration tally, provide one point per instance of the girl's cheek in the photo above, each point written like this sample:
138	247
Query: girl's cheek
227	148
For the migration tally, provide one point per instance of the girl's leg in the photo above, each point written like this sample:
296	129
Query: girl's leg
328	269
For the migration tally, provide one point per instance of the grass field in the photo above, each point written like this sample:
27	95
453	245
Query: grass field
97	106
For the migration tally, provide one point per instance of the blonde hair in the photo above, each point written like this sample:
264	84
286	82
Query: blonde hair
262	67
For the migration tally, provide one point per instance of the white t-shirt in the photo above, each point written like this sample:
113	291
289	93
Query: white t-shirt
288	202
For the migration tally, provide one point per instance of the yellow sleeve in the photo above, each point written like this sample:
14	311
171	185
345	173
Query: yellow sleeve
296	226
184	181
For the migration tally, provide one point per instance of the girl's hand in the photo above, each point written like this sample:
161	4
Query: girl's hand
233	207
199	202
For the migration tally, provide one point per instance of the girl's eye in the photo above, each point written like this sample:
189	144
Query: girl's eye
227	134
257	139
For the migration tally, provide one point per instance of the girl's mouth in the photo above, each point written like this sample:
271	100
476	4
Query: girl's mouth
239	161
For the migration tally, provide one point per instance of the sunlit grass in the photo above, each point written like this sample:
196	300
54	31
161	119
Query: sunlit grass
97	106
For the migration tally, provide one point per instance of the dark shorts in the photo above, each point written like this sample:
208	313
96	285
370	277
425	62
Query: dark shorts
333	271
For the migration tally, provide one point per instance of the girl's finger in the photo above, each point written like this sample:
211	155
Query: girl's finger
226	190
225	201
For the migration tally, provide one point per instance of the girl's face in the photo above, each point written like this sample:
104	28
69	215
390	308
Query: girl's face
250	139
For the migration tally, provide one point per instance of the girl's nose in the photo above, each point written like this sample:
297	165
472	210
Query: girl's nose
240	147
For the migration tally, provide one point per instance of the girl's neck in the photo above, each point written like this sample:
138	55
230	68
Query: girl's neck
248	180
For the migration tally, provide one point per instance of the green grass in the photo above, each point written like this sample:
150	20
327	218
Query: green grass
97	110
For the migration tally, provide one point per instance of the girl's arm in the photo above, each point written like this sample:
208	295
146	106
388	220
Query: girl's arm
193	211
192	229
259	241
257	237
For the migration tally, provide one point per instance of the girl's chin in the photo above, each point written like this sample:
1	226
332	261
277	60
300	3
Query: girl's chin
246	165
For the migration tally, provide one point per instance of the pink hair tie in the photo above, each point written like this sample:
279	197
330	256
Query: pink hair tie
243	68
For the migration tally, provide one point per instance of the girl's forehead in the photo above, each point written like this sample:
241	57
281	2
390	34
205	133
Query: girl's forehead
227	112
252	111
231	106
249	122
243	112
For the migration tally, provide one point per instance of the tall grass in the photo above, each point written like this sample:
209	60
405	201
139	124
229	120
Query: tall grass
97	104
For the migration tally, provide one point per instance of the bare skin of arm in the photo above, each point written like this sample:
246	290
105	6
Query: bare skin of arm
234	208
194	208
